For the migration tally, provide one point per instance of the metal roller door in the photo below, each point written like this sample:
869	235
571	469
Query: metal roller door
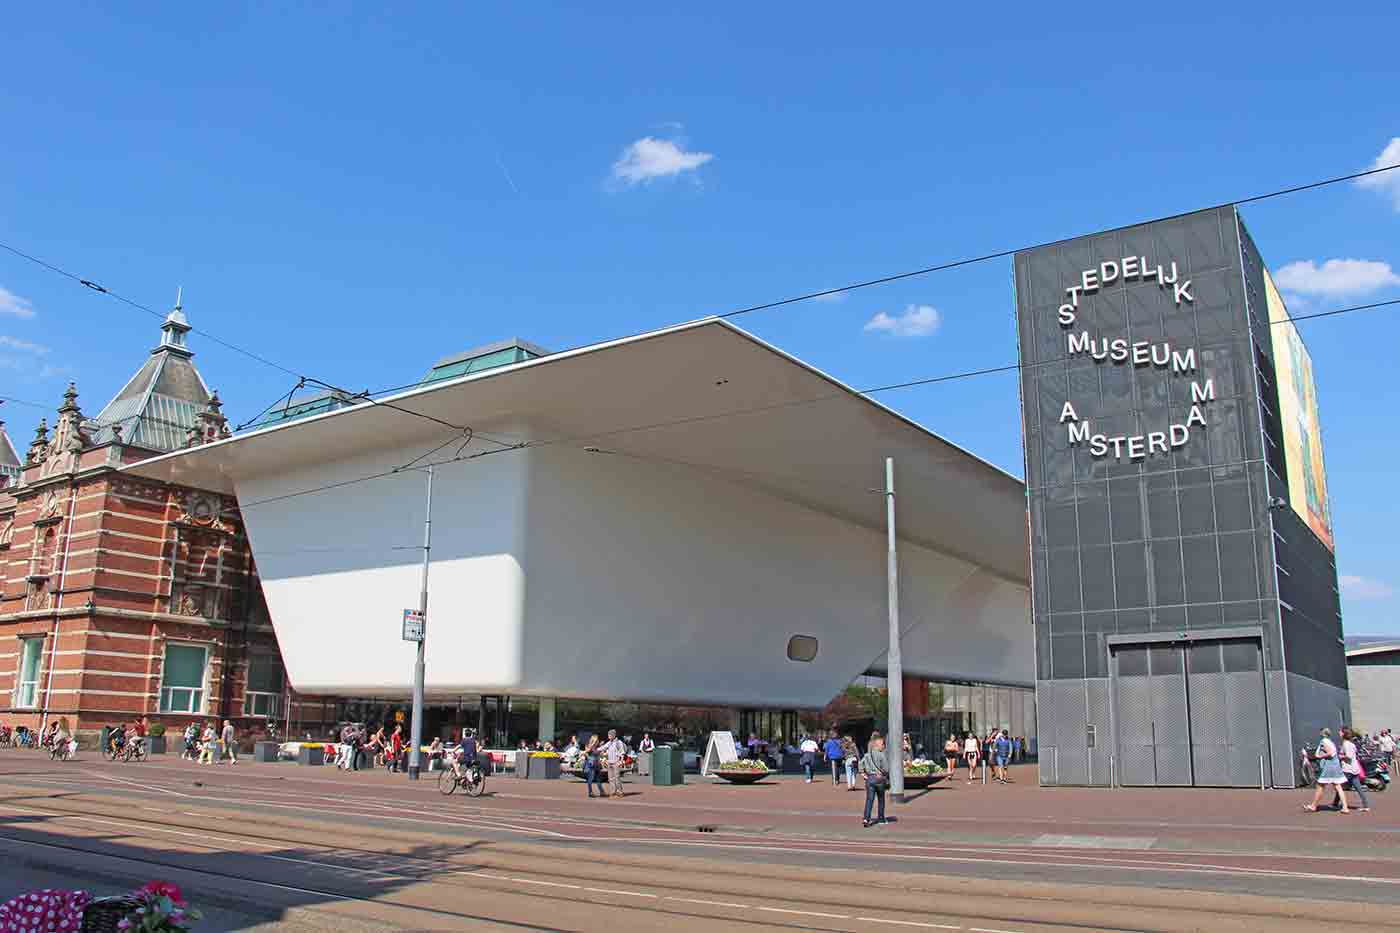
1189	713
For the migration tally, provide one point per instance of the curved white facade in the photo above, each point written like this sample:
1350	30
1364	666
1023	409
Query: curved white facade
670	565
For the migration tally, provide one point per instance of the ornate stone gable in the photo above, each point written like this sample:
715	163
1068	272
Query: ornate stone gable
69	440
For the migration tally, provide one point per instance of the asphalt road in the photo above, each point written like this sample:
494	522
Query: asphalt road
315	849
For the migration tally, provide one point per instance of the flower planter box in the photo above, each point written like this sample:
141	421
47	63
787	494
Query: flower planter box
917	781
265	751
311	755
542	769
155	745
741	777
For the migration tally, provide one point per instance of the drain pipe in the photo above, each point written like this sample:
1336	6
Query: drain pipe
58	603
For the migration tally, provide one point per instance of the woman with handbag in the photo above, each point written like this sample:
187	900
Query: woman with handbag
1331	774
877	778
1351	767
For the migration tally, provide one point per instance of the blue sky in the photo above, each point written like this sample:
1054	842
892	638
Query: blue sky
355	193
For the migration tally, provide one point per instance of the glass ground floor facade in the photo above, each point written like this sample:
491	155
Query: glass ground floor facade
934	710
937	709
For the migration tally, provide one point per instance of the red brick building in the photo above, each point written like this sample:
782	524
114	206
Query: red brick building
122	598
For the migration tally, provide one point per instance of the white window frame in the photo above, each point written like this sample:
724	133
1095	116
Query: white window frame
27	680
166	706
271	702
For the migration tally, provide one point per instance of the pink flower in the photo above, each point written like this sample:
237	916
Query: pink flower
158	889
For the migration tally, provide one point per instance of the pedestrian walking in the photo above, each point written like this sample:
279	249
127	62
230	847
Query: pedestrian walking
970	754
950	755
191	740
615	754
851	759
396	748
809	750
875	770
1386	742
1351	767
206	744
590	767
228	744
1331	774
835	755
1001	753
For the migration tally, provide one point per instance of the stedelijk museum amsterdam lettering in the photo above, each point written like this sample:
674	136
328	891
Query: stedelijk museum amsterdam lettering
1120	351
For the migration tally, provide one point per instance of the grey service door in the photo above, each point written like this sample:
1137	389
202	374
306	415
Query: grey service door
1151	712
1229	726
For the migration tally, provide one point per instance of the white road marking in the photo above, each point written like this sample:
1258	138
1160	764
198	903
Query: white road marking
805	913
624	893
910	923
696	900
986	930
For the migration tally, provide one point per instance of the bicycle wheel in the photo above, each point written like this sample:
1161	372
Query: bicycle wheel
476	782
447	782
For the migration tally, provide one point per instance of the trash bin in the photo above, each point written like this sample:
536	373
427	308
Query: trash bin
311	755
644	764
265	751
667	766
106	737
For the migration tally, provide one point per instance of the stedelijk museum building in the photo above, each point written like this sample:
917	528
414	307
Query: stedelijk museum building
1184	589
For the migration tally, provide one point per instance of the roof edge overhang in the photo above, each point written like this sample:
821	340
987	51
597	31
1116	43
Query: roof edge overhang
399	398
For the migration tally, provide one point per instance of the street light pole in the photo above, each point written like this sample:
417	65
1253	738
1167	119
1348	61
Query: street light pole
894	667
416	731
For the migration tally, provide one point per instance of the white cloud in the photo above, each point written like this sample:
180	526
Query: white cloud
831	298
915	321
1336	277
23	346
1365	588
10	303
1387	183
650	158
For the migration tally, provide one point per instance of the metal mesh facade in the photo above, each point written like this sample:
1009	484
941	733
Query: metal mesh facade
1153	342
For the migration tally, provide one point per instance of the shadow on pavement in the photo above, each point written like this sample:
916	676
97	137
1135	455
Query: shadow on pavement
251	887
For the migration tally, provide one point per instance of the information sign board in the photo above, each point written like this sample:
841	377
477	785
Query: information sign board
719	750
412	625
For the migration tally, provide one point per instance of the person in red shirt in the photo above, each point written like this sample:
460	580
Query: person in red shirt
396	746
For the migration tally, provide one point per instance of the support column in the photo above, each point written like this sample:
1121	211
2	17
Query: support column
546	731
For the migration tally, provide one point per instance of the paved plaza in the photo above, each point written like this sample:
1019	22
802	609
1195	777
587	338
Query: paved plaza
317	848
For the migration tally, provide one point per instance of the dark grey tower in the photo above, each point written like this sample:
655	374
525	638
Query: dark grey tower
1184	589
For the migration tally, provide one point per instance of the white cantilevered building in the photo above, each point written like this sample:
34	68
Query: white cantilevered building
684	516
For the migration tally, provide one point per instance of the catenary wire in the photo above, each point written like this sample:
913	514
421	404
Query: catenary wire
302	379
940	267
694	419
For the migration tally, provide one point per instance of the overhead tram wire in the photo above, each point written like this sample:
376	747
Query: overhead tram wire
302	379
987	257
715	416
368	396
1002	254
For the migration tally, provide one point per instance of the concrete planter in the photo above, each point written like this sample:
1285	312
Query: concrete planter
265	751
155	745
542	769
311	755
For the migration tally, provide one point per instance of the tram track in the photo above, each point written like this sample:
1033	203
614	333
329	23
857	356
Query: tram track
746	888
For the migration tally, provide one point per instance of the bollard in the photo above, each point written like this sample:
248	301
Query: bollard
1112	771
1262	783
984	772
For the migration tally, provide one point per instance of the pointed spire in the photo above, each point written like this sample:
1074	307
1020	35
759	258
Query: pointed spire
173	330
70	400
210	424
39	447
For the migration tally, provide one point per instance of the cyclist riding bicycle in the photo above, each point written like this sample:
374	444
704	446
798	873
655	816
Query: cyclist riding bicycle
466	753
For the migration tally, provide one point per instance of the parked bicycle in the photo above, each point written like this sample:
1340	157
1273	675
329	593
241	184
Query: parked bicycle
470	778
